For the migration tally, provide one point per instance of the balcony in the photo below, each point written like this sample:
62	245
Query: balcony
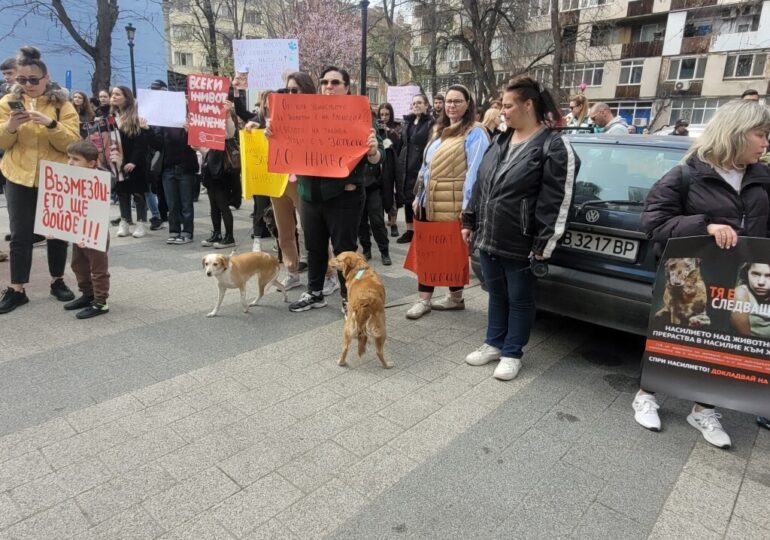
678	5
696	45
642	49
570	18
627	91
668	89
568	54
639	7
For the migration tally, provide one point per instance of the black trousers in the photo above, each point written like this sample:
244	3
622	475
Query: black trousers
409	199
258	227
219	202
335	220
373	217
22	203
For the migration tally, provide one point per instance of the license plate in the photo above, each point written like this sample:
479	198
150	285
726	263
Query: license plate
611	246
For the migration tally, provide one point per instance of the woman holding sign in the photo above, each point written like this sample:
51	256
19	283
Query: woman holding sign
446	181
516	217
37	122
719	191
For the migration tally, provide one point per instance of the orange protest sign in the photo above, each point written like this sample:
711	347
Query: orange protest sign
318	135
438	254
255	178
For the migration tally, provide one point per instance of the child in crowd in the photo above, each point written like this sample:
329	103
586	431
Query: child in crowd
90	266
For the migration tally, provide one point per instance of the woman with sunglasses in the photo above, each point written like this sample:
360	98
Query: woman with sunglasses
331	208
578	112
446	180
37	122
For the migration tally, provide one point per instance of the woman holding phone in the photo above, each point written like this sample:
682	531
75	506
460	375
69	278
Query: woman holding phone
37	122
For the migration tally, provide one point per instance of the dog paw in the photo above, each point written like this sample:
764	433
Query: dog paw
342	363
699	321
212	314
387	365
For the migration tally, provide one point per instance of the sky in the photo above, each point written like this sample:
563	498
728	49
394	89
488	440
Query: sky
60	53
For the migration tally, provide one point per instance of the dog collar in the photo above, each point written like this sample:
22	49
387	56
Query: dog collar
360	273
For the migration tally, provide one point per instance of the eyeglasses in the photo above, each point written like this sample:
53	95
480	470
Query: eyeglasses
455	102
331	82
33	81
294	90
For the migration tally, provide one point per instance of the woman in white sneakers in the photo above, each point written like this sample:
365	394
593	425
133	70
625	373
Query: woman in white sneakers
721	193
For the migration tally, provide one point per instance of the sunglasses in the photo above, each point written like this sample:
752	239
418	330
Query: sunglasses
331	82
34	81
291	90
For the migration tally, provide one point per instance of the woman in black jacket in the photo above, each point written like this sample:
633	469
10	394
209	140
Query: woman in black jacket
85	111
390	132
518	209
414	138
719	191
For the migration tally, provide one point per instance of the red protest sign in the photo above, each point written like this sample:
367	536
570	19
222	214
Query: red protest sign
206	97
318	135
438	254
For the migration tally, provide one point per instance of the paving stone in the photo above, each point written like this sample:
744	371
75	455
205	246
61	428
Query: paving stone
431	368
716	466
62	521
410	410
260	425
90	417
691	495
216	392
142	450
204	422
119	494
311	376
753	502
445	389
671	525
255	505
184	501
23	469
600	522
378	471
317	466
368	435
741	529
424	439
397	385
310	402
261	398
200	455
134	523
9	512
622	492
166	390
38	495
84	445
21	442
204	527
272	530
251	464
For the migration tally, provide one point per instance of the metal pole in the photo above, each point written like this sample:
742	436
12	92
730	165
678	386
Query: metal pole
133	71
364	19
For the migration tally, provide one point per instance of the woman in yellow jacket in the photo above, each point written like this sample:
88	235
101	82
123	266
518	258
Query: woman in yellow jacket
37	122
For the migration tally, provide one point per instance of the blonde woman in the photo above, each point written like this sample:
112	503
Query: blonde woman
491	122
724	197
578	112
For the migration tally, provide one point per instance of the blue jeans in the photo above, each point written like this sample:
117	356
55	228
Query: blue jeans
152	204
511	311
178	186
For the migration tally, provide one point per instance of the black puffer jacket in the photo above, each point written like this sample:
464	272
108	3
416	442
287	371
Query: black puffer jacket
675	209
522	208
414	139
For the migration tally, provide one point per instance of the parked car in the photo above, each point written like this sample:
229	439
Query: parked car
604	268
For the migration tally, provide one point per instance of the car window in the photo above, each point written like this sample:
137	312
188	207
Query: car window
611	172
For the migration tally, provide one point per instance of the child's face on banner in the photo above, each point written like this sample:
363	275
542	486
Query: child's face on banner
759	281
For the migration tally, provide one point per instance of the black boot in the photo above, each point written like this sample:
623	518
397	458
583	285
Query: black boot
367	253
386	258
405	238
12	299
60	290
80	303
211	240
394	230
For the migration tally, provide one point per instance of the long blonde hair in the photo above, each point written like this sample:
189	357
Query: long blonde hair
581	100
491	119
724	138
128	115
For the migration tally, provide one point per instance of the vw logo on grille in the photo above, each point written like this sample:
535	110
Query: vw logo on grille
592	216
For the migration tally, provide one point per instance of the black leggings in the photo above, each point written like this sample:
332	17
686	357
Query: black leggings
409	199
220	210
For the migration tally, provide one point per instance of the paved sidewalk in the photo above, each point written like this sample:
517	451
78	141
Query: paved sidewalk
155	422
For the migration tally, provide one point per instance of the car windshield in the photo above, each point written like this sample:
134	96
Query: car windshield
610	172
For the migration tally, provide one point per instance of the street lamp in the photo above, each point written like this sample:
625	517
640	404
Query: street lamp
364	16
130	33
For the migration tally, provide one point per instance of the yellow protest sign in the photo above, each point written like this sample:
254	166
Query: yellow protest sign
255	178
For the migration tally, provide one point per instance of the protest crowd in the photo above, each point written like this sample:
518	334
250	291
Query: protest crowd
500	176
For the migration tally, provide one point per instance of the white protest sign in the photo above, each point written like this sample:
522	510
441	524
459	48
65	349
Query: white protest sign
162	108
267	61
400	97
73	204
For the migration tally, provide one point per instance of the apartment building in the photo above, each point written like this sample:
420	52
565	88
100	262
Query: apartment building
653	61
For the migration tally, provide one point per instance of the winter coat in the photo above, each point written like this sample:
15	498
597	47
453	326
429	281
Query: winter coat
31	142
414	139
521	207
135	149
383	175
676	207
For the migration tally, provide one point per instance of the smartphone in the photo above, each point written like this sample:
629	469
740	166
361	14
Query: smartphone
16	106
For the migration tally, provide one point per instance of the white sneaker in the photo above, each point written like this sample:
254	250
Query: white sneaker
291	281
507	369
418	310
449	303
141	230
123	228
646	411
707	422
331	284
257	245
483	355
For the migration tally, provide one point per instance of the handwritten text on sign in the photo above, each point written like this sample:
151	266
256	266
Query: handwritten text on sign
206	119
73	204
255	178
438	254
318	135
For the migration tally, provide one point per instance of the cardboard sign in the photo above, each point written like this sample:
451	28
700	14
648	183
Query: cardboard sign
267	61
162	108
400	98
73	204
709	332
438	254
318	135
206	121
255	178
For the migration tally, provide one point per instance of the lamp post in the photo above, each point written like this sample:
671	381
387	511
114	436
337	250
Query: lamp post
130	33
364	18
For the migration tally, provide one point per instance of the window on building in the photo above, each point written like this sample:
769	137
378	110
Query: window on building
373	94
538	8
687	68
696	111
740	66
183	59
635	113
697	28
181	31
456	52
572	5
651	32
572	75
419	56
603	35
253	16
631	72
500	48
542	74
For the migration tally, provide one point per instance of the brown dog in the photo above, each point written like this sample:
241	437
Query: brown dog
685	299
366	305
234	272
